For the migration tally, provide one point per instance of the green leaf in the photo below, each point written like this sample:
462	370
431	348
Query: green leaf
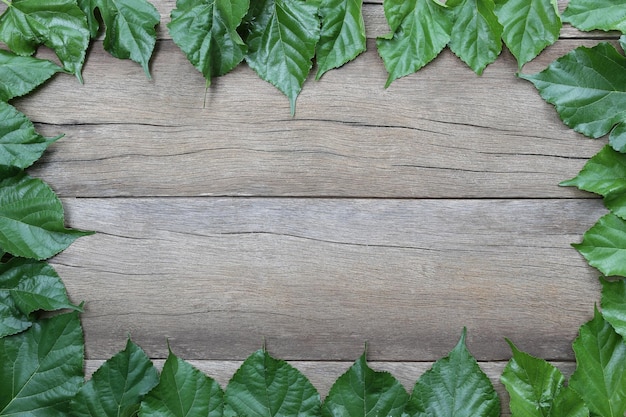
206	31
476	34
536	388
20	145
118	386
622	42
281	40
130	27
455	386
614	304
600	376
32	219
27	286
604	245
183	391
590	15
529	26
41	369
588	88
58	24
19	75
343	34
267	387
362	391
420	29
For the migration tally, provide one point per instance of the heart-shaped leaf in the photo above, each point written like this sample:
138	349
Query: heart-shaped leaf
590	15
19	75
604	245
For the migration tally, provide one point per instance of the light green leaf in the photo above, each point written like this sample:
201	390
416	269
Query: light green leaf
588	88
268	387
536	388
19	75
614	304
590	15
622	42
130	27
118	386
604	245
57	24
32	219
362	392
343	34
41	369
600	376
281	40
455	386
27	286
476	34
420	29
529	26
206	31
183	391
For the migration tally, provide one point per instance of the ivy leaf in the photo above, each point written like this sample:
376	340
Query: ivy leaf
536	388
32	219
41	369
588	88
529	26
600	375
118	386
362	391
57	24
281	39
342	36
420	29
206	31
476	33
268	387
614	304
588	15
455	386
27	286
19	75
604	245
130	27
20	145
183	391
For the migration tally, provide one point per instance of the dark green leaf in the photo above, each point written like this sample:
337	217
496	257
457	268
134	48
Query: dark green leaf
420	29
529	26
118	386
41	369
343	34
455	386
59	24
476	34
590	15
604	245
362	392
267	387
614	304
600	376
281	43
19	75
183	391
206	31
588	88
32	219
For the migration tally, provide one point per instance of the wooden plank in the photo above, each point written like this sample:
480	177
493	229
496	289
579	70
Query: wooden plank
317	278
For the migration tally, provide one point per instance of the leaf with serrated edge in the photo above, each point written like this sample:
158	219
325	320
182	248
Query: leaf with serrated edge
58	24
614	304
588	15
420	29
362	392
268	387
281	43
19	75
206	31
183	391
529	26
604	245
600	375
588	88
343	34
455	386
32	219
41	369
118	386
